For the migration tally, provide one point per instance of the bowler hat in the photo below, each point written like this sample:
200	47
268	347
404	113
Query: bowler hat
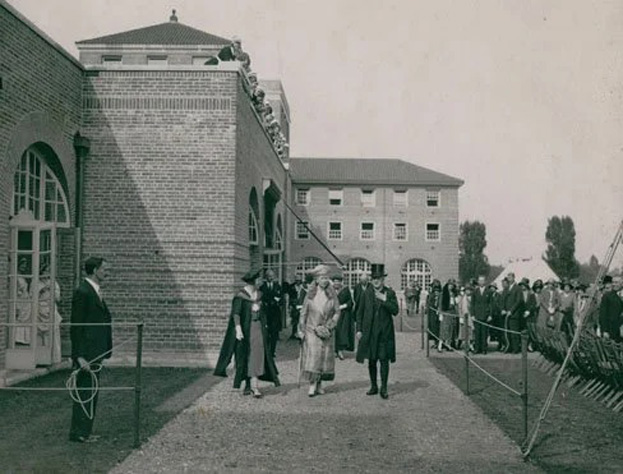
251	275
377	270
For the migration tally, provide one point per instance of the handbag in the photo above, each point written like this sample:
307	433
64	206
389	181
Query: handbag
322	332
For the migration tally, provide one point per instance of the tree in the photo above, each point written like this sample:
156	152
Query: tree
589	271
560	253
472	242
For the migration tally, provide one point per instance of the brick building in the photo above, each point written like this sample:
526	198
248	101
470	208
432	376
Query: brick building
142	153
376	211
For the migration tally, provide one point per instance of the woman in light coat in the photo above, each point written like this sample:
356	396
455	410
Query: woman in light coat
319	317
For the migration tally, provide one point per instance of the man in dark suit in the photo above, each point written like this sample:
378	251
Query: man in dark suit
375	329
481	312
360	289
610	311
232	51
90	345
271	299
513	305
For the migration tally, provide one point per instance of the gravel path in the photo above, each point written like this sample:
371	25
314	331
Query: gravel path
427	425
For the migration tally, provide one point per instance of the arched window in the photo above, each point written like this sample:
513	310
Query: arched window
417	270
306	265
354	268
36	189
253	228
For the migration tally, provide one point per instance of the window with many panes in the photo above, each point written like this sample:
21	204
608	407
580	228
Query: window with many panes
335	231
400	231
432	232
36	189
336	197
367	231
368	198
303	197
302	231
253	229
306	265
354	269
417	270
401	198
432	198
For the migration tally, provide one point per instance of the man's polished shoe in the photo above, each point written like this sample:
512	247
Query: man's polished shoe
384	394
372	391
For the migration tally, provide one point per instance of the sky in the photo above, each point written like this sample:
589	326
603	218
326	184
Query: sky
521	100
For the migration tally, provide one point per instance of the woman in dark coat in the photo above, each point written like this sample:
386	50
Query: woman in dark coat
246	339
345	330
375	329
433	306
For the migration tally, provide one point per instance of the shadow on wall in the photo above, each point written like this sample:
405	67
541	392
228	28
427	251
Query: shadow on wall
142	213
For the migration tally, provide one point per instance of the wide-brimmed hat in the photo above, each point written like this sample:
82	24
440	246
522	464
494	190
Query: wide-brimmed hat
251	275
320	270
377	270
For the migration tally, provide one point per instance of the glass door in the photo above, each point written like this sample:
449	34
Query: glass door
47	321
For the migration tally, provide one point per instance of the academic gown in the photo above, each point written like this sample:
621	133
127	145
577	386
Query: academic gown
241	306
375	321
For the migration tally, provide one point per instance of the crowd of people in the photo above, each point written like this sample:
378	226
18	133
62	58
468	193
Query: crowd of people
478	314
234	52
327	318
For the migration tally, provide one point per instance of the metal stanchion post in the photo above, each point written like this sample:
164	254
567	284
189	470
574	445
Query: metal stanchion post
467	339
425	340
524	371
138	385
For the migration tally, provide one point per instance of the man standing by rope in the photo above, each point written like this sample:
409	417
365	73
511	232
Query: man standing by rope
513	312
91	342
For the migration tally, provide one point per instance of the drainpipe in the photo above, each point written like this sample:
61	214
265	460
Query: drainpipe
82	146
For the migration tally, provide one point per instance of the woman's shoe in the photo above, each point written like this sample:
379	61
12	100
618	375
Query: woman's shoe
340	355
320	390
257	394
312	391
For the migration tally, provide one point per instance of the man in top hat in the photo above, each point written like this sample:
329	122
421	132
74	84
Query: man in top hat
345	330
271	299
375	329
610	311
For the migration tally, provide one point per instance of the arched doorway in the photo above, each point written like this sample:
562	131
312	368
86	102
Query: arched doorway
417	270
254	230
39	206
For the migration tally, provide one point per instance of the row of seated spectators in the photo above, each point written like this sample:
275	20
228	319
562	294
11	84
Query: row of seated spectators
234	52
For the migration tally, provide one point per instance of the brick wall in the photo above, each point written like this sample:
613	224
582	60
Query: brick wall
159	205
40	101
256	161
442	256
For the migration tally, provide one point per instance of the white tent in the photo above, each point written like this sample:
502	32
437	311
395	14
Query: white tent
532	268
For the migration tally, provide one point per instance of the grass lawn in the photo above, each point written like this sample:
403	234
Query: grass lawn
577	436
35	425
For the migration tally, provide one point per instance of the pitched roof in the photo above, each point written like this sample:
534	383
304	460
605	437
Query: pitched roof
170	33
390	172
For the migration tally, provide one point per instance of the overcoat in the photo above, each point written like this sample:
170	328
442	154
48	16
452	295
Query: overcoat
232	347
376	324
345	331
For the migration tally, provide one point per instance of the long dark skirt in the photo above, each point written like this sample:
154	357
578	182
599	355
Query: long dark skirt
345	333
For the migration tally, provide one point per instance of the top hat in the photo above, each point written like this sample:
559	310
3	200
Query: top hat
377	270
251	275
607	279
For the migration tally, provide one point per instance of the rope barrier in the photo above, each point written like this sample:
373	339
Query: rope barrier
488	374
498	328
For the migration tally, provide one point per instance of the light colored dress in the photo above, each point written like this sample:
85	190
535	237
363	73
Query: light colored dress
465	318
23	312
317	360
48	328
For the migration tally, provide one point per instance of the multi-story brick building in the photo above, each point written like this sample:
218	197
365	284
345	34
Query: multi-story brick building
144	154
376	211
